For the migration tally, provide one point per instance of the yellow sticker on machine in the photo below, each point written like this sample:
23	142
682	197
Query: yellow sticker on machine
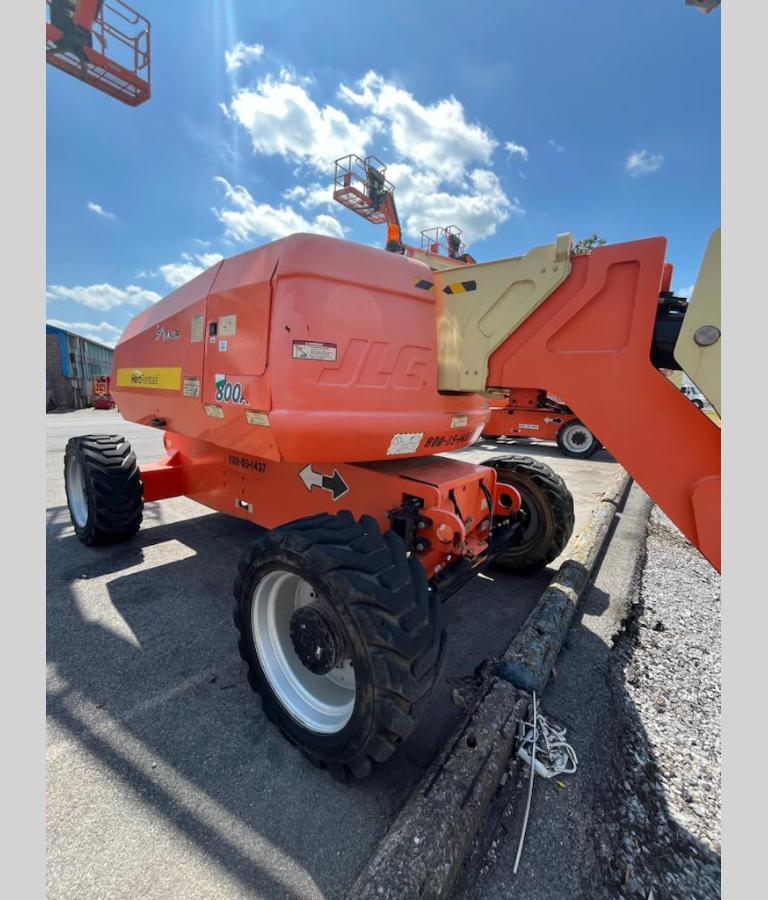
167	378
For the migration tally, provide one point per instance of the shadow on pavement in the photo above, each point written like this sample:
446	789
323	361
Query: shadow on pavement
146	680
530	448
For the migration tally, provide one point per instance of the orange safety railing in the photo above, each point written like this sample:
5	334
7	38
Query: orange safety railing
360	185
443	241
113	57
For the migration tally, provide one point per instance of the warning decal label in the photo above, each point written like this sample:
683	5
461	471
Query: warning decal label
314	350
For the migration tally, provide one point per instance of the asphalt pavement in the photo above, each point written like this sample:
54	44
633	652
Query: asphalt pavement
163	776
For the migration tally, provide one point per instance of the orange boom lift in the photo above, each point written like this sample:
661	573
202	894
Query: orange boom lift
104	43
306	386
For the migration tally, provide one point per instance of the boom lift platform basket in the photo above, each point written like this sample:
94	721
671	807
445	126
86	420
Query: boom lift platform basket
104	43
361	185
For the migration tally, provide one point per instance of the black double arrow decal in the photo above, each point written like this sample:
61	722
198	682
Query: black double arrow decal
334	484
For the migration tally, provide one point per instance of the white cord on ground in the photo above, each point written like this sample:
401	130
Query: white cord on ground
554	755
530	793
544	749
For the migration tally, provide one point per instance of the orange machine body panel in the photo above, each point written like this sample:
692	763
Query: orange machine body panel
310	356
589	342
306	349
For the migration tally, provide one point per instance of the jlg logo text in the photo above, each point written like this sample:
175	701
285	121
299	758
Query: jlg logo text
378	364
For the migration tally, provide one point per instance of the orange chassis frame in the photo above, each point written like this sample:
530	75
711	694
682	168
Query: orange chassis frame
589	342
451	515
521	416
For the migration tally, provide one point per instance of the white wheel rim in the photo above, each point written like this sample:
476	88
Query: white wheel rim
577	438
78	499
320	703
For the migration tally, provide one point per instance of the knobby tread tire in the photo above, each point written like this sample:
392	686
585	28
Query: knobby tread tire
113	488
392	619
540	485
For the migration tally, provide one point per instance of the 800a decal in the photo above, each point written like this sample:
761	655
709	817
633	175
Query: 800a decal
228	391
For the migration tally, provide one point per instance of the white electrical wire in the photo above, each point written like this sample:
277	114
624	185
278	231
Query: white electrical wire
530	791
556	757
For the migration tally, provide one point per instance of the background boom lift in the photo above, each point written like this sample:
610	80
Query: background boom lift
104	43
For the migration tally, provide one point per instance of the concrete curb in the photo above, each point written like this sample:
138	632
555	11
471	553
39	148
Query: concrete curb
422	853
528	660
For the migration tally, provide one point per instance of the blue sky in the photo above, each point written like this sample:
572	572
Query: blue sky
513	120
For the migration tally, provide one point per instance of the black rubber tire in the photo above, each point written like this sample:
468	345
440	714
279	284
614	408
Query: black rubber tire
590	449
380	600
548	505
113	488
697	403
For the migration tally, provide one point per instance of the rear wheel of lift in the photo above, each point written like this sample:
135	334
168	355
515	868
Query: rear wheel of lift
342	638
576	440
546	512
104	489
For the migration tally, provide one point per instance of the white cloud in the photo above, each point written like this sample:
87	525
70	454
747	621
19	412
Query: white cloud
555	146
100	211
282	119
440	162
242	53
437	137
311	196
512	148
245	219
641	162
103	296
103	331
478	206
178	273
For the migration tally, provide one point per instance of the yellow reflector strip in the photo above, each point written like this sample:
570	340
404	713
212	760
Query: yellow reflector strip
460	287
168	379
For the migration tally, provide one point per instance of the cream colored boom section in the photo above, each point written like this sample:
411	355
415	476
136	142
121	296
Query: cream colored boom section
432	260
479	306
697	350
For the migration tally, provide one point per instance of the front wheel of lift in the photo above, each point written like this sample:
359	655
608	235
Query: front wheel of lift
104	489
546	513
341	636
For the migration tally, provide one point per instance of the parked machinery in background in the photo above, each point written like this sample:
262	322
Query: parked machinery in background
102	397
104	43
532	414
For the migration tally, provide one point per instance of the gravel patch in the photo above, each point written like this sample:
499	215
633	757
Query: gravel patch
664	840
638	688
